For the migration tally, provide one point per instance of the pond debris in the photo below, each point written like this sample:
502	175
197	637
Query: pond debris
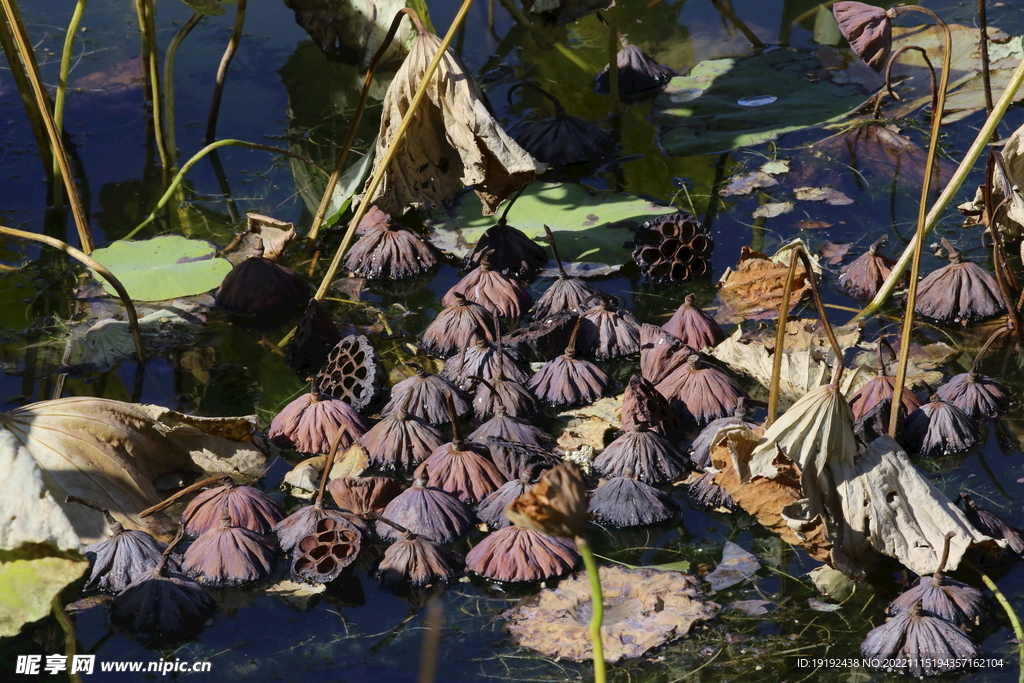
700	449
569	380
644	609
418	562
248	507
879	388
704	492
862	278
424	396
938	428
509	250
700	391
868	30
491	510
229	555
429	512
500	393
458	326
626	501
753	289
918	643
309	423
565	293
496	292
387	251
608	332
561	140
641	402
400	441
504	426
737	565
652	458
315	336
321	556
262	294
991	524
162	606
961	292
486	360
352	372
693	326
660	353
515	554
513	458
123	556
672	248
541	338
454	140
639	75
360	495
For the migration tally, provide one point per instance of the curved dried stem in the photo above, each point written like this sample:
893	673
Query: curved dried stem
988	345
1011	614
931	73
389	154
170	500
570	349
328	466
559	109
562	275
122	293
820	305
453	415
394	525
350	136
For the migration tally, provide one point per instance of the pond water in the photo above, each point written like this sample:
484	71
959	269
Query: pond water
282	91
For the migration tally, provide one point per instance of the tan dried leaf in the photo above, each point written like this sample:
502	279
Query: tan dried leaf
753	290
590	425
454	140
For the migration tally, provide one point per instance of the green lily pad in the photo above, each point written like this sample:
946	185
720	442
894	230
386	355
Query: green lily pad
30	579
591	227
724	104
162	268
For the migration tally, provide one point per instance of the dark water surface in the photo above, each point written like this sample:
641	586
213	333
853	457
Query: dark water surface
282	91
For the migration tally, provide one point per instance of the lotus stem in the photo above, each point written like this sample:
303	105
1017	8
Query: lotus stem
431	642
70	641
389	154
202	153
774	387
328	466
146	10
562	275
931	73
35	117
922	215
597	613
169	59
170	500
133	318
981	141
62	87
986	346
27	55
820	305
381	518
1011	614
453	415
339	164
222	71
986	78
727	12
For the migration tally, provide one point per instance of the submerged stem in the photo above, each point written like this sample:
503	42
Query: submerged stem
922	215
169	57
222	71
62	88
597	613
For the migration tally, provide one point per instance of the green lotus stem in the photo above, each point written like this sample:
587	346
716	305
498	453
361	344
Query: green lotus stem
27	55
780	341
389	154
339	165
597	613
169	57
35	118
922	215
151	63
198	156
62	87
133	318
1011	614
981	141
222	71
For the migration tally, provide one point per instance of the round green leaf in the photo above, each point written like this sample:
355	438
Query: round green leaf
590	226
162	268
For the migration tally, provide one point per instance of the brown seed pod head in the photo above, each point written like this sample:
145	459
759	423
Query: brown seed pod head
673	248
868	29
303	522
693	326
555	505
309	423
352	372
457	327
626	502
248	507
321	556
429	512
517	554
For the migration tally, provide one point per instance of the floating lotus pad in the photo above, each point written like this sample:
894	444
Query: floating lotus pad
165	267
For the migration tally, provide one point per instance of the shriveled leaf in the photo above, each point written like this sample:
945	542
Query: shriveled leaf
266	232
835	253
723	104
747	183
590	226
1010	220
820	606
644	608
812	225
775	167
753	290
773	209
737	565
454	140
923	369
590	425
751	607
162	268
112	452
117	78
828	195
832	582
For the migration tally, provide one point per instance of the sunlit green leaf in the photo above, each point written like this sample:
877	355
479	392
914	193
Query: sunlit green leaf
164	267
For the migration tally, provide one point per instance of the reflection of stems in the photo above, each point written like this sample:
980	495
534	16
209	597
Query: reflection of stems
597	614
981	141
133	319
389	155
915	267
151	61
222	71
613	61
985	77
35	118
339	165
780	340
521	19
431	640
199	155
225	186
24	47
727	12
172	51
62	88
